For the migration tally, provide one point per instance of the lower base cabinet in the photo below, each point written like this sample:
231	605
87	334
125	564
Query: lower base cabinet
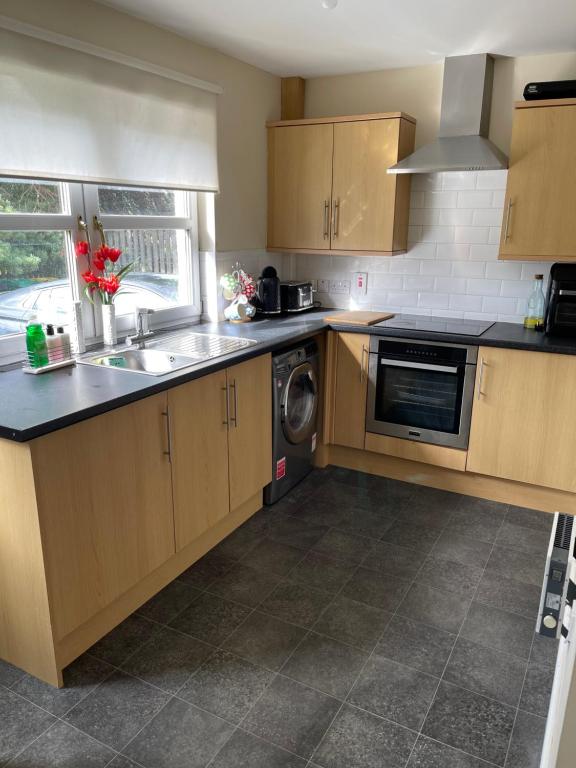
350	389
96	517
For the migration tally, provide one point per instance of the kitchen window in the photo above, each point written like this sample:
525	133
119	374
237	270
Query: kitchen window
41	275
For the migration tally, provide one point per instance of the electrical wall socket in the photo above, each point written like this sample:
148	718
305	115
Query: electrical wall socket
340	286
324	286
359	284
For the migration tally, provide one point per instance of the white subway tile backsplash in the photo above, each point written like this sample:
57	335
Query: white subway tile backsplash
477	199
451	267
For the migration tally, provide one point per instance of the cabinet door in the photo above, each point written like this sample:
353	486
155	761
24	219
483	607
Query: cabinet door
523	420
370	206
351	386
250	434
104	494
199	438
299	186
539	219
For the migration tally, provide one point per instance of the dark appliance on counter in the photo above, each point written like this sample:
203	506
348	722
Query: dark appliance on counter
554	89
267	298
296	296
421	390
560	312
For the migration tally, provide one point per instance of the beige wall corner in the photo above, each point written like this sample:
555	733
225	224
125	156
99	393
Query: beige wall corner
251	96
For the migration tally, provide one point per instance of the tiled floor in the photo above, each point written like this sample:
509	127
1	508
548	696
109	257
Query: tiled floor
359	623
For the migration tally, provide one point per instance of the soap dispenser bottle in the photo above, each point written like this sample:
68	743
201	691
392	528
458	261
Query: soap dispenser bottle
36	344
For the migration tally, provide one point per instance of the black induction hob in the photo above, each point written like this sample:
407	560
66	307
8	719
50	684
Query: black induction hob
428	324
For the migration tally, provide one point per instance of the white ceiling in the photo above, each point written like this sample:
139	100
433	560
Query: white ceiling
299	37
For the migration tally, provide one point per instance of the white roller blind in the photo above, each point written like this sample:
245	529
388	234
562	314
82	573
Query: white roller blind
72	116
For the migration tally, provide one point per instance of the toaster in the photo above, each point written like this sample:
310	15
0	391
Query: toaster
296	296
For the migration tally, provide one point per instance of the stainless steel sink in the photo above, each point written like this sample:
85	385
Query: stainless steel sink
169	352
150	361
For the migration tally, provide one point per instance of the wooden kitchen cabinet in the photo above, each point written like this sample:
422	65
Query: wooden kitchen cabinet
104	500
350	389
523	419
328	189
221	444
539	221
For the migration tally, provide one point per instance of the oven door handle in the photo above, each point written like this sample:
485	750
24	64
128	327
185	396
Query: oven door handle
419	366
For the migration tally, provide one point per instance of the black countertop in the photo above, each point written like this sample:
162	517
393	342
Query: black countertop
31	406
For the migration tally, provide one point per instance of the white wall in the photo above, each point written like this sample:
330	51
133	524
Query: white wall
451	267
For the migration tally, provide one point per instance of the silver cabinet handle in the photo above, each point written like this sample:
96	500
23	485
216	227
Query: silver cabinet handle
364	352
481	379
168	453
234	418
336	218
508	214
326	219
227	419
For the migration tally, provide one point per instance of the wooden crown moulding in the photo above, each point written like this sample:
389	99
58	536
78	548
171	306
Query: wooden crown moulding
343	119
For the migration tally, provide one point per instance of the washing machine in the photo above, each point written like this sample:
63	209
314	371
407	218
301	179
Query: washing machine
295	376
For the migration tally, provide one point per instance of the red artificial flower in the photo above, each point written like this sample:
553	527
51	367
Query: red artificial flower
82	248
89	277
114	254
98	262
109	285
105	253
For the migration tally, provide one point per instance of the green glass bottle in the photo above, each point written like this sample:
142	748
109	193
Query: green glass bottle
36	344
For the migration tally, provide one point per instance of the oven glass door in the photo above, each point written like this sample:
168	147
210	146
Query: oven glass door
419	401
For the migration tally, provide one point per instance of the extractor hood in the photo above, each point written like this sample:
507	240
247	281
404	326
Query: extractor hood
462	143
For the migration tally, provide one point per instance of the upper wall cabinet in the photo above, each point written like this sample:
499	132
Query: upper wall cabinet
328	190
539	221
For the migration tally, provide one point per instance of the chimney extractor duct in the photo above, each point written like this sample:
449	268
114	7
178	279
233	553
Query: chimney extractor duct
462	143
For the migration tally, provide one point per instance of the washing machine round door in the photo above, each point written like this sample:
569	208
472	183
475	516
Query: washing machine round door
300	404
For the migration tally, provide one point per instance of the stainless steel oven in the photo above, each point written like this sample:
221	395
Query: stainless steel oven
421	390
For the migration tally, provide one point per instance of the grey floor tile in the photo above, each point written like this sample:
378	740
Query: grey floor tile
262	521
449	576
206	570
431	507
325	664
431	754
120	761
168	603
244	750
296	603
527	739
315	511
168	659
124	640
180	736
419	537
512	564
462	549
486	671
343	546
529	540
531	518
359	739
475	724
9	674
393	691
498	629
479	520
352	622
65	747
295	532
20	723
211	619
226	685
372	521
544	650
292	716
271	557
346	496
537	689
393	560
509	594
416	645
322	572
244	584
80	678
439	609
377	589
115	712
238	543
265	640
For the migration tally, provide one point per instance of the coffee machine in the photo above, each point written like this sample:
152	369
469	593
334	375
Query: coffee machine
560	313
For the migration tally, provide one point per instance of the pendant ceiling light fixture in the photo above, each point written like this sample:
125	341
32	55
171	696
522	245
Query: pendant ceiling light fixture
329	5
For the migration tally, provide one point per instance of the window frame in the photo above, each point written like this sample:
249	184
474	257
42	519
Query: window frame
80	204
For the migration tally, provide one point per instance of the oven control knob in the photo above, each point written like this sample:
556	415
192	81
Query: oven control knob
549	622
